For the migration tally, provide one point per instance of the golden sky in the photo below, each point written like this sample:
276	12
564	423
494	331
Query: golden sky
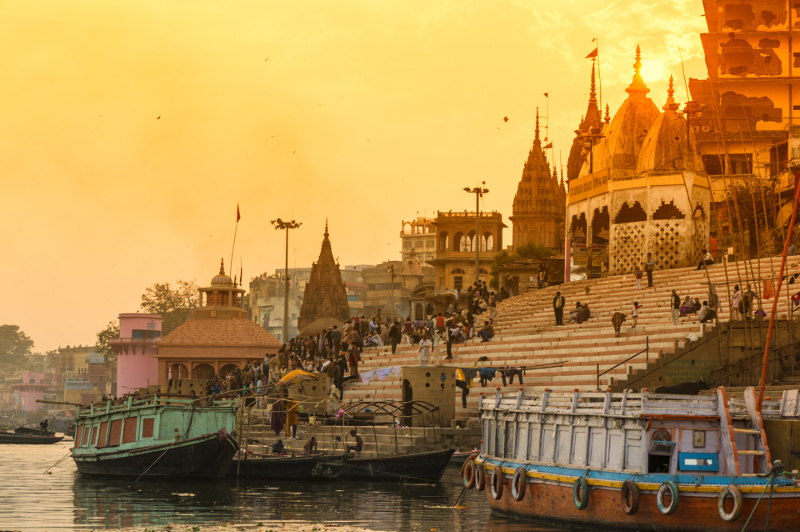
131	129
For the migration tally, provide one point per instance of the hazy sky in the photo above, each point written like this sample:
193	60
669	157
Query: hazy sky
130	130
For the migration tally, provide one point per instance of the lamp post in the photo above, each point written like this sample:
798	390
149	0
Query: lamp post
280	224
391	288
478	191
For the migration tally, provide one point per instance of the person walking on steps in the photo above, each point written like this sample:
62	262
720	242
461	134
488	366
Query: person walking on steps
558	308
649	266
675	305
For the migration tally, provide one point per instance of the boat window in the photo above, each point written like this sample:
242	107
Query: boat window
147	427
87	435
94	436
103	435
115	435
129	431
660	451
698	462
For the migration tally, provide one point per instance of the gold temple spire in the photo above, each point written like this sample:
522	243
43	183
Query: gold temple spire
637	88
670	105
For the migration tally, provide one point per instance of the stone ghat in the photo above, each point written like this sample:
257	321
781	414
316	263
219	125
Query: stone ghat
526	334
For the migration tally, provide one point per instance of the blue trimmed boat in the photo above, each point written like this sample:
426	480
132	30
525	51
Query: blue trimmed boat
629	460
159	437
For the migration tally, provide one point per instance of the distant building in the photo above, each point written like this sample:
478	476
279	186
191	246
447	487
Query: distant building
33	388
456	244
325	295
266	303
218	338
538	208
418	236
136	348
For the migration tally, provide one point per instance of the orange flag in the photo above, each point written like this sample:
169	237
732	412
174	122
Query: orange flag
238	216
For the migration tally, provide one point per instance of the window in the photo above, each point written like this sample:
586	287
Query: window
713	164
444	242
741	163
458	282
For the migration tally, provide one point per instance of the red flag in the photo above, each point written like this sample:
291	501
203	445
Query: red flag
592	54
549	145
238	216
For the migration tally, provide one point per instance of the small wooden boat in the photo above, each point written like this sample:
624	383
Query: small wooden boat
423	466
29	439
158	437
281	467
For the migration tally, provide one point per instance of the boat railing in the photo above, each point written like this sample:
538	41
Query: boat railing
130	403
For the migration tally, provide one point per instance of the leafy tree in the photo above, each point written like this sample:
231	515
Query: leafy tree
534	251
14	344
110	331
174	305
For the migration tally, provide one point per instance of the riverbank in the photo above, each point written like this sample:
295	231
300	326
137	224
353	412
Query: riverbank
274	526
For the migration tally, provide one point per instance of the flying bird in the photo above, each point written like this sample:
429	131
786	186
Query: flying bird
266	59
158	117
505	119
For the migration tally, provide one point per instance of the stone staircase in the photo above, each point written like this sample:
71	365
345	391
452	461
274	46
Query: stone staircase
572	354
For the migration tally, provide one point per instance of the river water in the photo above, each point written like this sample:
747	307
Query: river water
32	500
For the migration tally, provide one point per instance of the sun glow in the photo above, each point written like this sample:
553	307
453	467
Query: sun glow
653	70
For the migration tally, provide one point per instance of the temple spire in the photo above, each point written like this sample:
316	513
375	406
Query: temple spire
593	91
608	115
326	230
222	266
536	140
670	105
637	86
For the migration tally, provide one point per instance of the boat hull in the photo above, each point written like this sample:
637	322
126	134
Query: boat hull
424	467
290	468
552	500
207	456
28	439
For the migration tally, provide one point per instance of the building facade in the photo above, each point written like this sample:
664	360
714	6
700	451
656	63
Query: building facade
418	236
136	348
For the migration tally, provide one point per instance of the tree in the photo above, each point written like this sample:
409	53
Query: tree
14	345
111	331
174	305
503	258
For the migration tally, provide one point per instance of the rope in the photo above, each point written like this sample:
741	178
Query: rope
58	462
156	460
768	484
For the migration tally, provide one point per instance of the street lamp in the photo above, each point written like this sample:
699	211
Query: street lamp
479	192
280	224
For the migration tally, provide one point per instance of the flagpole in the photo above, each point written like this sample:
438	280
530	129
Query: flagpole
599	77
235	231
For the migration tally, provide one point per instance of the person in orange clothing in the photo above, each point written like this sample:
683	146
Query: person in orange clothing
292	417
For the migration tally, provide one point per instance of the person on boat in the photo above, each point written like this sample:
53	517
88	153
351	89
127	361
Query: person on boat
424	350
43	425
311	446
278	447
359	444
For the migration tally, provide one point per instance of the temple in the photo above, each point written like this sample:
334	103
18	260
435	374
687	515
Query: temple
218	338
538	209
325	295
642	187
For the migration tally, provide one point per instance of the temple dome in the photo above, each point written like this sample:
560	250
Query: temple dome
619	150
221	277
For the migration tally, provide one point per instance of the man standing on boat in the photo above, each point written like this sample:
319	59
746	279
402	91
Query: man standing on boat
358	445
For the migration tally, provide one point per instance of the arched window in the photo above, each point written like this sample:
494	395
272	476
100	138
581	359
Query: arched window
460	241
668	211
177	371
444	241
630	214
471	241
487	242
203	371
458	271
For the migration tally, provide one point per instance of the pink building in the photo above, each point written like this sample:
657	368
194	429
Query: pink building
31	389
136	348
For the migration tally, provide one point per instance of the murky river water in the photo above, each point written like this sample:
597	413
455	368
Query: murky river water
31	500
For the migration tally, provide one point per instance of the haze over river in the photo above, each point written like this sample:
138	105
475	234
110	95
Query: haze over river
31	500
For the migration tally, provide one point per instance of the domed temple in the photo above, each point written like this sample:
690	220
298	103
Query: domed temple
642	187
218	338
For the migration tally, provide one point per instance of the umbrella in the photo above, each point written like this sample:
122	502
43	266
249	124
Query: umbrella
298	375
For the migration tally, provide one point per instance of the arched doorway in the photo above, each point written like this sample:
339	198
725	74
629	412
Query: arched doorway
227	368
418	312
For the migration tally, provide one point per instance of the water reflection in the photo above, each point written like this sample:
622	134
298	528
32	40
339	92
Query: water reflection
63	500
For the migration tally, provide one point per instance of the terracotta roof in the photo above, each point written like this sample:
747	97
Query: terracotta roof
220	332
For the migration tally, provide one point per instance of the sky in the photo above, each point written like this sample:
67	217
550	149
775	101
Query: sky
130	130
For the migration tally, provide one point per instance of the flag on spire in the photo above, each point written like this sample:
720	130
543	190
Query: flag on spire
546	94
549	145
592	54
238	215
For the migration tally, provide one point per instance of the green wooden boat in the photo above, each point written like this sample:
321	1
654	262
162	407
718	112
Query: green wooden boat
158	437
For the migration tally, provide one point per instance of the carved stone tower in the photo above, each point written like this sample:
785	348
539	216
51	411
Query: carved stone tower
325	295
